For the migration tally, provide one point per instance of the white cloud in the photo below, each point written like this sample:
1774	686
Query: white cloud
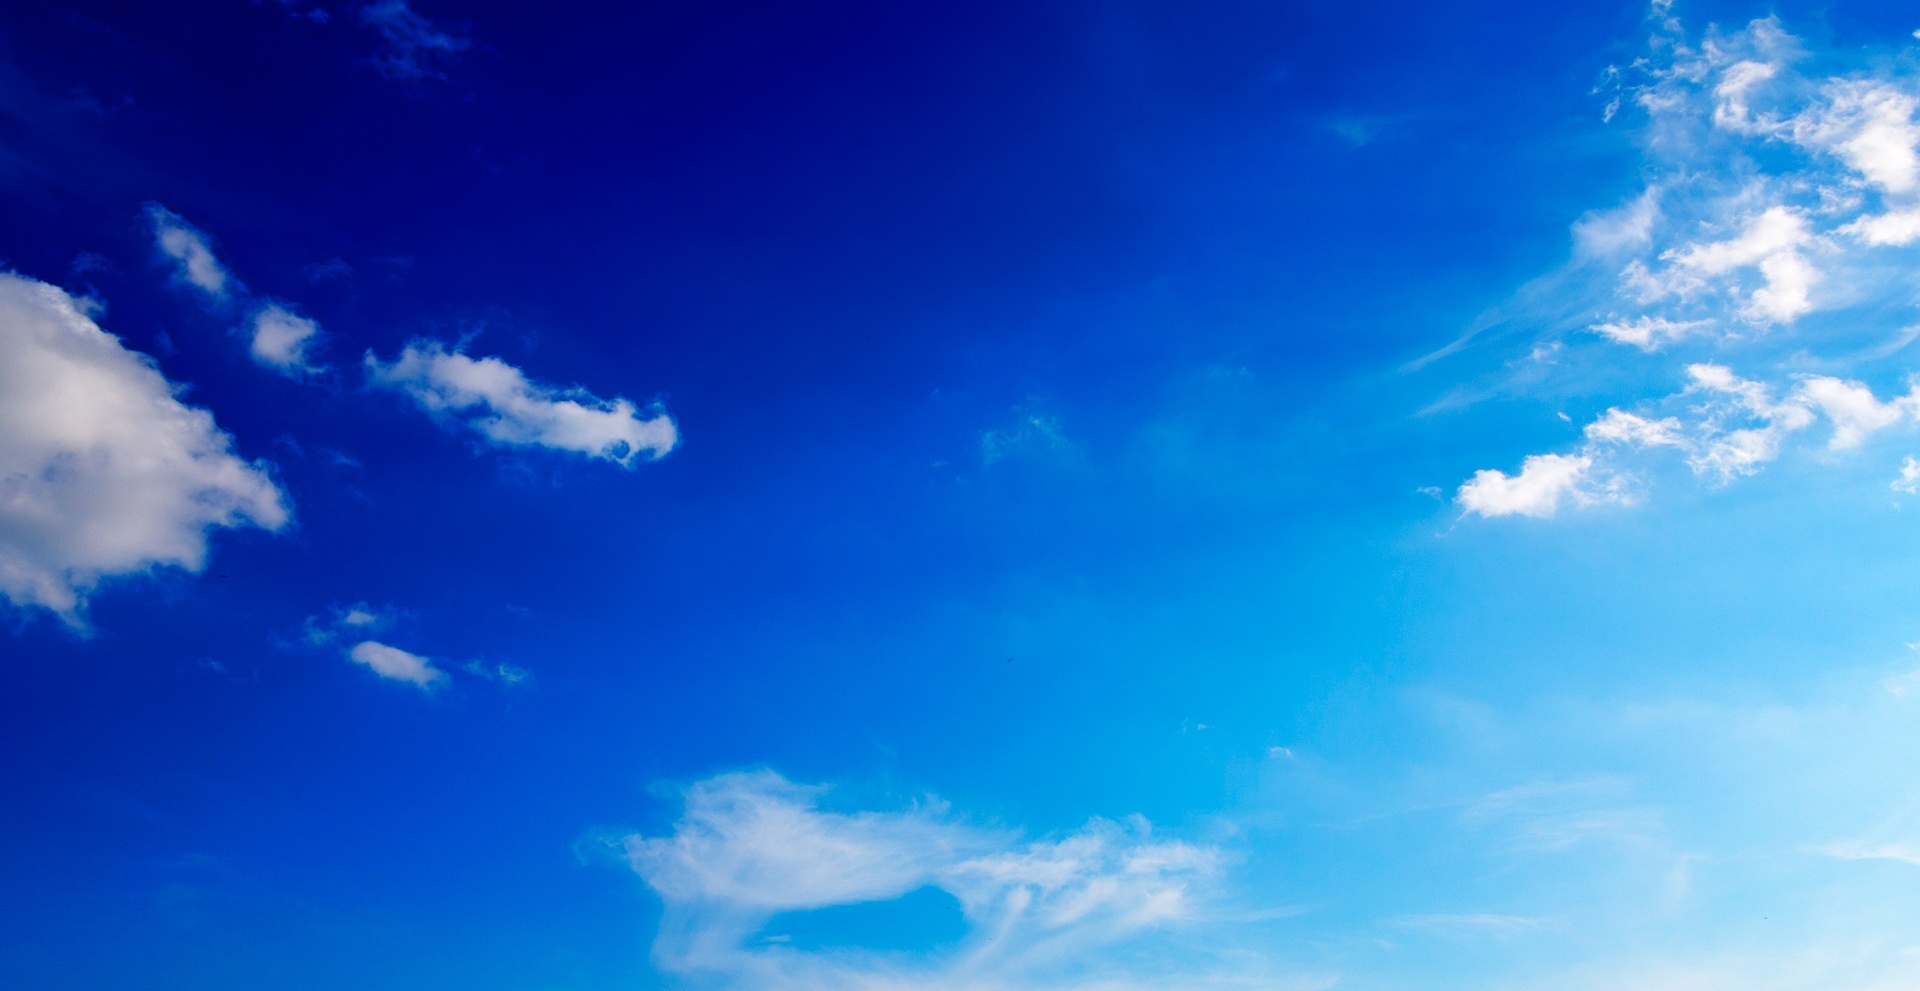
1869	124
397	665
191	253
279	339
1775	201
498	402
1771	242
103	472
1891	229
1649	333
1736	84
356	621
1617	426
751	846
1853	409
1544	481
1626	227
1909	480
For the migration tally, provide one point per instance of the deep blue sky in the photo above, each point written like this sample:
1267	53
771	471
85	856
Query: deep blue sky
1052	439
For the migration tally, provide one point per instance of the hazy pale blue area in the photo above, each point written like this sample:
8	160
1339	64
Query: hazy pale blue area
1021	496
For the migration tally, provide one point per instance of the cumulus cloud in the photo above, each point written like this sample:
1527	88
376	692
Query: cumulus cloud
395	664
751	846
1545	480
103	472
191	251
279	338
1775	210
498	402
1853	410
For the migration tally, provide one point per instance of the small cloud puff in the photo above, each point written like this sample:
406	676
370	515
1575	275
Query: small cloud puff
356	621
103	472
497	401
191	252
395	664
280	339
1543	482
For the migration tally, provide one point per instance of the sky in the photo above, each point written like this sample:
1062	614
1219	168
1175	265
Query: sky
1060	496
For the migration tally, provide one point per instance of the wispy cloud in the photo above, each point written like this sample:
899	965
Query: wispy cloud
498	402
415	46
103	472
1039	913
1775	224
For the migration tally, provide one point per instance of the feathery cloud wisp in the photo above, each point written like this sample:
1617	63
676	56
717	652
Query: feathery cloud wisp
752	846
497	401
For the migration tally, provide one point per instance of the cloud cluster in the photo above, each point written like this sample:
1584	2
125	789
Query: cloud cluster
487	395
103	472
278	337
1773	227
497	401
752	846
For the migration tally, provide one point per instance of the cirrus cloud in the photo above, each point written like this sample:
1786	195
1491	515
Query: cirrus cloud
1038	913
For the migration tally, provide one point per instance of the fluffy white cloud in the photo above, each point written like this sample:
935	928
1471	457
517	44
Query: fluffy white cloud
191	252
279	339
1544	481
397	665
1771	243
103	471
1854	411
751	846
498	402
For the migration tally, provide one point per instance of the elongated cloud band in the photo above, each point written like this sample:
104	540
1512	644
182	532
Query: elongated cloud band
752	846
498	402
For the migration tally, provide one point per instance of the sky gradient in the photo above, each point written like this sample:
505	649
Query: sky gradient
1083	496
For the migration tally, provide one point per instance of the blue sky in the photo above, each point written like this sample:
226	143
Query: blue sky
1030	496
